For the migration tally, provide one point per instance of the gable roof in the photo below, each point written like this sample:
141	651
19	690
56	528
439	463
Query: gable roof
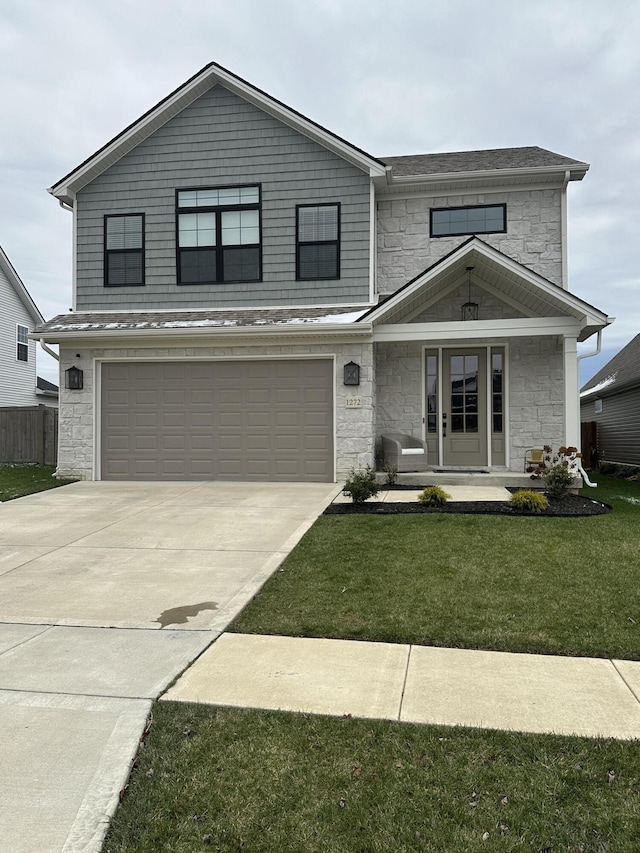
46	387
619	372
208	77
23	294
488	160
538	295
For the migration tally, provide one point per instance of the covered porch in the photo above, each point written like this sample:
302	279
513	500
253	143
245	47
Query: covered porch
477	358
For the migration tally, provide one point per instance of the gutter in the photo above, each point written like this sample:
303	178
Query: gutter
293	330
575	172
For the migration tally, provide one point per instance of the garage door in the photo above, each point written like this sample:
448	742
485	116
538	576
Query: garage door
231	420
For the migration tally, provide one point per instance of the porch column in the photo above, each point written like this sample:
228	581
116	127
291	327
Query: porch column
571	392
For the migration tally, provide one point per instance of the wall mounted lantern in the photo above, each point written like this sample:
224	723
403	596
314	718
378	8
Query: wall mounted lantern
469	309
352	373
74	379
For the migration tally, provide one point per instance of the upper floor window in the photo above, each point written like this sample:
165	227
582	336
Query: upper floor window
479	219
124	250
317	241
22	343
218	235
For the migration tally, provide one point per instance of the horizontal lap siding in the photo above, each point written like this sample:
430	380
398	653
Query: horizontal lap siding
17	378
222	140
618	426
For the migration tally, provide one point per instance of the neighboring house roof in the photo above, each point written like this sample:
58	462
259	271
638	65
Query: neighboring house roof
621	371
530	292
45	386
489	160
176	321
209	76
20	289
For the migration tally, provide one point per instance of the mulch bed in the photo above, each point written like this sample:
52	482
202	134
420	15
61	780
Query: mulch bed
570	506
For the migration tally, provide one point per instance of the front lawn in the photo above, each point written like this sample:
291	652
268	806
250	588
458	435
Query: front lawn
19	480
545	585
266	782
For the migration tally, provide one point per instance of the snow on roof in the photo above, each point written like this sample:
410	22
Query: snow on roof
604	383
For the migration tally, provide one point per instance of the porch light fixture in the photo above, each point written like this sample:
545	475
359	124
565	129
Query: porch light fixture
469	309
74	379
352	373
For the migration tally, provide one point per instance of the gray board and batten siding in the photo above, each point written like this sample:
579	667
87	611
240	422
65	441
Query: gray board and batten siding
618	425
222	140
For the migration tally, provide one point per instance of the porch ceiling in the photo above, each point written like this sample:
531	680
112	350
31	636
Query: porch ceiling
506	279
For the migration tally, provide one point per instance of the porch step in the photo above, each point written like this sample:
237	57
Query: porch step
464	478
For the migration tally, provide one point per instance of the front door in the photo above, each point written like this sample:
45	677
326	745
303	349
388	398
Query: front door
464	408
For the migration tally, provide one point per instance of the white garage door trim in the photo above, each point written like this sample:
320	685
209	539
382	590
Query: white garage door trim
97	390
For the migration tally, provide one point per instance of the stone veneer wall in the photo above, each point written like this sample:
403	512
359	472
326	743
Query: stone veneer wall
354	427
536	392
533	237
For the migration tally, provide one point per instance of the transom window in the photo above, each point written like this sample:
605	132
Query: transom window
124	250
218	235
479	219
317	241
22	343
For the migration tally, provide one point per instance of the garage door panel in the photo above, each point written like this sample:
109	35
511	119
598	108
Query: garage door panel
234	420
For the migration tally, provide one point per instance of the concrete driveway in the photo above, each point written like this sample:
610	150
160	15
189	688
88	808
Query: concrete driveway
167	565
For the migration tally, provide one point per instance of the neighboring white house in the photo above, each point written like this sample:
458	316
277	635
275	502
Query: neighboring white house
18	318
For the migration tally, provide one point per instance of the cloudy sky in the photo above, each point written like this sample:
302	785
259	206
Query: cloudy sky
408	77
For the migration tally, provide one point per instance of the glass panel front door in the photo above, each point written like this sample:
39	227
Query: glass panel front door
464	408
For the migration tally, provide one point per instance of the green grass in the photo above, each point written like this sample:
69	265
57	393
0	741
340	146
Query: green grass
546	585
19	480
265	782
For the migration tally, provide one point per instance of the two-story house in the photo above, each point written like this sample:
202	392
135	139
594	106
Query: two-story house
19	316
256	298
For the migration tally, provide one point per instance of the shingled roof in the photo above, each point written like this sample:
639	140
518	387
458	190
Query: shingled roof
212	319
621	371
489	160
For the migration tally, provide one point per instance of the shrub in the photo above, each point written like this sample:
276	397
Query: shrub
608	468
391	473
558	470
526	500
361	485
433	496
558	479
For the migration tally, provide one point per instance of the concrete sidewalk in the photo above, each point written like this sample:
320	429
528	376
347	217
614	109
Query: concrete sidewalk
418	684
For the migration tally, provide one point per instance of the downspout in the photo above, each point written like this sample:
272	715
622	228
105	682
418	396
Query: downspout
583	473
563	230
48	350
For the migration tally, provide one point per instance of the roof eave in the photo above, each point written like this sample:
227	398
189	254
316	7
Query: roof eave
576	172
20	289
274	330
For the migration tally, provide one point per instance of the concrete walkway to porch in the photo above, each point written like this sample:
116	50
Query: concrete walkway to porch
462	493
418	684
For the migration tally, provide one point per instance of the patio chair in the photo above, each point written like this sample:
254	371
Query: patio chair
404	452
533	457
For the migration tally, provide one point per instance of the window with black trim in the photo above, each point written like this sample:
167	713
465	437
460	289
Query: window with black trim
124	250
476	219
317	241
22	343
218	235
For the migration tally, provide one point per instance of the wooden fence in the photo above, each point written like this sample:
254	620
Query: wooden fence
29	434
